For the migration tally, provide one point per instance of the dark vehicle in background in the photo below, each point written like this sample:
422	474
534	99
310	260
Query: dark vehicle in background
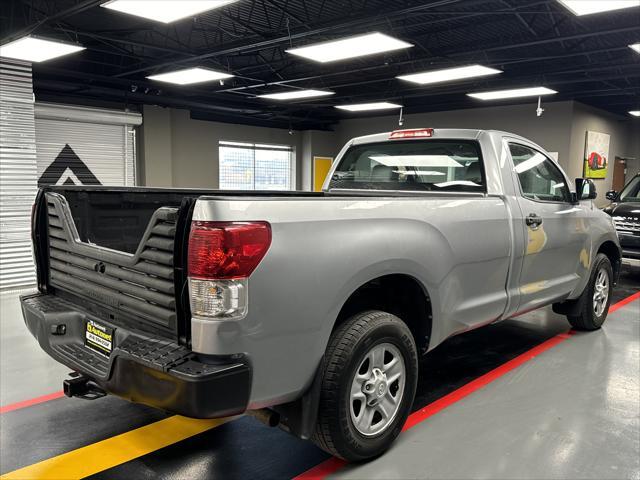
625	210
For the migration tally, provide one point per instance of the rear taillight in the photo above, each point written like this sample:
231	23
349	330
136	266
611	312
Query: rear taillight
222	255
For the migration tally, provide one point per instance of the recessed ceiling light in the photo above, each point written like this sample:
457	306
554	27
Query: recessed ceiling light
518	92
449	74
165	11
361	107
635	113
37	49
351	47
190	75
295	94
636	47
587	7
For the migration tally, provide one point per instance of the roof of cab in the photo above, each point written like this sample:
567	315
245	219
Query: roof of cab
458	133
443	133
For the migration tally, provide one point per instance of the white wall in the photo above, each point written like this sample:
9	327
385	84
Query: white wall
190	147
181	152
155	155
562	128
585	119
315	143
549	131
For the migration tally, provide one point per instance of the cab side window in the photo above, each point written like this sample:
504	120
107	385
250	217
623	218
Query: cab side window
539	177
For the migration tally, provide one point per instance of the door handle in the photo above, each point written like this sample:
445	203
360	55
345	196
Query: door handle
533	220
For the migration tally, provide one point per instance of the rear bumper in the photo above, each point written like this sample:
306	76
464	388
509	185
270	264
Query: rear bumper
142	369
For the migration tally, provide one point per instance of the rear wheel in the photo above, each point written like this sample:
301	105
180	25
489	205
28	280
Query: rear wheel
596	297
368	385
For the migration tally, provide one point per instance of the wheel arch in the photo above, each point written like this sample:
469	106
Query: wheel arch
612	251
399	294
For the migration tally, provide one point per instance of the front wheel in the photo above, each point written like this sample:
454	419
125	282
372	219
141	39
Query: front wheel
596	297
368	385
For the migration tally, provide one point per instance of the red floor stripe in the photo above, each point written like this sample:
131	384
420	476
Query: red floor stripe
326	468
624	302
30	402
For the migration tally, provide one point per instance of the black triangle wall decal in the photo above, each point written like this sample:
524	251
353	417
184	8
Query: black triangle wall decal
67	158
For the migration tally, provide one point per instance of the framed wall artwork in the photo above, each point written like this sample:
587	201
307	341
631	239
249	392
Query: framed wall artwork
596	155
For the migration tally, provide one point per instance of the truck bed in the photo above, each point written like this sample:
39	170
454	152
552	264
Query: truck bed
120	251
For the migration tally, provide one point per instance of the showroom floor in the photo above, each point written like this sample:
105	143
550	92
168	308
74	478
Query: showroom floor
521	399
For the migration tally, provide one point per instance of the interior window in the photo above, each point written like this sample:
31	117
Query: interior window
248	166
428	165
539	178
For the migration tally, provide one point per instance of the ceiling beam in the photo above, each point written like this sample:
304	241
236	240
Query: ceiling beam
61	15
268	43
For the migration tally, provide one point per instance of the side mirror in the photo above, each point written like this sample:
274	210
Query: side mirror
585	189
612	195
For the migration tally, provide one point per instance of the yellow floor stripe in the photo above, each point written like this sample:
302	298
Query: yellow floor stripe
115	451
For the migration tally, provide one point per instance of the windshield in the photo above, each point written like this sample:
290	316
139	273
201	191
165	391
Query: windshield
631	193
429	165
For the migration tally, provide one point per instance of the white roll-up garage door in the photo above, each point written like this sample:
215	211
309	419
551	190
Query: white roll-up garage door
84	146
18	179
73	146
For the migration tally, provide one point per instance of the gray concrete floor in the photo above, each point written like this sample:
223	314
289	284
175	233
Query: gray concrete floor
25	370
572	412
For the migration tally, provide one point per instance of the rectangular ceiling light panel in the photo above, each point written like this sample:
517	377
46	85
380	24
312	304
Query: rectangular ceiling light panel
165	11
351	47
362	107
635	113
588	7
636	47
190	76
36	50
516	93
296	94
449	74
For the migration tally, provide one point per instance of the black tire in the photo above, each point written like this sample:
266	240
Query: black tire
588	319
348	346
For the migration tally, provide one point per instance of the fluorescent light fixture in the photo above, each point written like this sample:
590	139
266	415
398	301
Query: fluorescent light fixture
361	107
190	76
37	49
296	94
587	7
350	47
165	11
635	113
449	74
518	92
636	47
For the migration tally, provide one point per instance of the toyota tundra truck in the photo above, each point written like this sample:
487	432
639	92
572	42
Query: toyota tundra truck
311	310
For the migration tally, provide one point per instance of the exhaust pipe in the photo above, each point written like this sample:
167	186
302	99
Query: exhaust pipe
266	416
82	387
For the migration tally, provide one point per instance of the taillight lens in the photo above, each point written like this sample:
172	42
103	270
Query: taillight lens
222	255
227	250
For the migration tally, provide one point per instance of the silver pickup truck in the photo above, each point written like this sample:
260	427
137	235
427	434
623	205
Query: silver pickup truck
311	310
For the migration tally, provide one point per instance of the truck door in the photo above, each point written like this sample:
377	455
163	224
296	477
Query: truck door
555	253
